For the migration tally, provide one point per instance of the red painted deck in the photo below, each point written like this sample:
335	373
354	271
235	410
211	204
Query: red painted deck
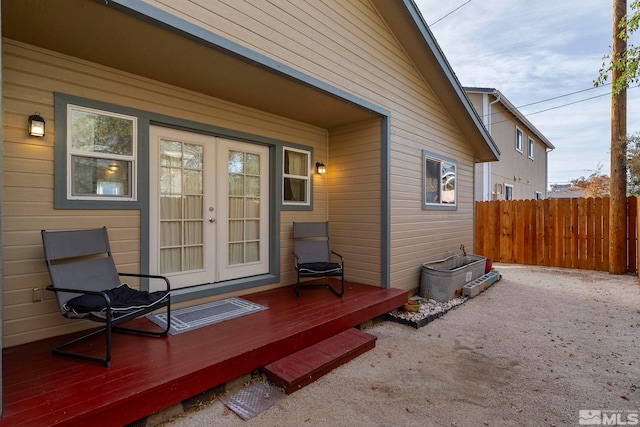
150	374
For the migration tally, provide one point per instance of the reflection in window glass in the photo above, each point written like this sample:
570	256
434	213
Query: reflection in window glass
439	181
101	151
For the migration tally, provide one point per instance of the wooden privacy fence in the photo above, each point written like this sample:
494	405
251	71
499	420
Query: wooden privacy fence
571	233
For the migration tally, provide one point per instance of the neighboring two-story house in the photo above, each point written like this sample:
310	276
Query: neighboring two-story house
522	170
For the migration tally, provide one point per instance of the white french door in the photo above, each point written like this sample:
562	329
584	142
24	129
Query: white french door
243	190
208	207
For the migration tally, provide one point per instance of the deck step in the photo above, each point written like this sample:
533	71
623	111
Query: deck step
307	365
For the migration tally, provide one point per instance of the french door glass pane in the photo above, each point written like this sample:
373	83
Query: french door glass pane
181	206
244	207
170	234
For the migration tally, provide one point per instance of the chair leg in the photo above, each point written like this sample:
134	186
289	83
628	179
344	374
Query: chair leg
334	290
337	292
108	330
297	287
105	360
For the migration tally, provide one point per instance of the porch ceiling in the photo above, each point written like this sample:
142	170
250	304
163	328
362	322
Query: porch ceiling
90	31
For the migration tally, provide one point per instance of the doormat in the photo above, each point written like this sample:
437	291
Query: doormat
253	399
190	318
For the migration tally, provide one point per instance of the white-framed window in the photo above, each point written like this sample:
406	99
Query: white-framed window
538	195
518	139
531	148
508	192
296	177
439	182
101	155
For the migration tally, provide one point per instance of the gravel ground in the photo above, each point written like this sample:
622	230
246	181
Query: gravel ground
534	349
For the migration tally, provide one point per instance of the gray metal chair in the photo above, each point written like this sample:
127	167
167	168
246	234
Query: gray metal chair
313	255
87	286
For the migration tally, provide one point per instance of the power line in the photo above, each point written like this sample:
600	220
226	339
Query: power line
562	96
558	106
567	104
463	4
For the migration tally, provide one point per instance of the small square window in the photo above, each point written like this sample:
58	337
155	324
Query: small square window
518	140
531	148
296	177
440	182
101	150
508	192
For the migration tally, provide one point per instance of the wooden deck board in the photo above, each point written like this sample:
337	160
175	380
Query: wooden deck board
149	374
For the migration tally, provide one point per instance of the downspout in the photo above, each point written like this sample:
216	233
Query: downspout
486	167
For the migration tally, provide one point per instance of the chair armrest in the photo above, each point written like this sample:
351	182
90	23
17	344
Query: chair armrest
107	300
150	276
297	258
339	256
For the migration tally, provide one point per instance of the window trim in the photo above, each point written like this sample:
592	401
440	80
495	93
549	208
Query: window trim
506	192
538	195
308	178
531	148
71	153
441	159
519	137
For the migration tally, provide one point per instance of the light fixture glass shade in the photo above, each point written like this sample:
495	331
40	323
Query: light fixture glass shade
321	168
36	125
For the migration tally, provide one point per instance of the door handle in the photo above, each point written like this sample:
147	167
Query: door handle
211	219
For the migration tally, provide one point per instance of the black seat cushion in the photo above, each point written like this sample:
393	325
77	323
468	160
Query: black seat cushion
319	267
122	298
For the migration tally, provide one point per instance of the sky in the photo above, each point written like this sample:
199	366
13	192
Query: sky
533	51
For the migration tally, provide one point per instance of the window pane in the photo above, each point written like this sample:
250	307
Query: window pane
170	233
295	163
170	181
170	153
100	177
252	252
235	163
253	186
253	208
170	207
193	258
193	233
253	164
236	185
294	190
192	156
193	207
170	260
431	181
236	207
252	230
448	183
98	133
236	253
193	181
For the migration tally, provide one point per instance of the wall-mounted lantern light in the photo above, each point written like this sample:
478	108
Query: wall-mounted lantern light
36	125
321	168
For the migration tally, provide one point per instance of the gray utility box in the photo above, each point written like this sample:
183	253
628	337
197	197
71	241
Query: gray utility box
440	279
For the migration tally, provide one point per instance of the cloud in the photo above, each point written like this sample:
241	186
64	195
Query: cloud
536	50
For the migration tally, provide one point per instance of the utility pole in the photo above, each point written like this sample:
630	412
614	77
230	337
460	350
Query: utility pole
618	183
